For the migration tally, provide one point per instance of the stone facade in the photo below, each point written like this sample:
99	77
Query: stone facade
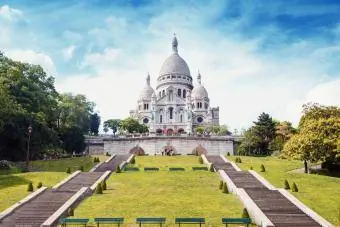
169	145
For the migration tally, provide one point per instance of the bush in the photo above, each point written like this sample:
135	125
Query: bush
81	168
30	187
225	188
104	187
245	213
200	160
118	170
211	168
221	185
4	164
251	168
294	187
70	212
68	170
286	185
133	161
99	189
39	185
107	154
238	160
96	160
262	169
228	154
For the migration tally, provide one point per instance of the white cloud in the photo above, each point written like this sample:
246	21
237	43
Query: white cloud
10	13
68	52
33	57
103	60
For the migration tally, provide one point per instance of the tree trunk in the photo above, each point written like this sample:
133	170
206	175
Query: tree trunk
306	167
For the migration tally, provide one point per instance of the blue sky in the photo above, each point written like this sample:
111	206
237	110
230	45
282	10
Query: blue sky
254	56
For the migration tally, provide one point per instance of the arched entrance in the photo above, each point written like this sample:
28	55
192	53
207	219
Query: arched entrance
168	150
180	131
137	150
159	131
169	131
199	150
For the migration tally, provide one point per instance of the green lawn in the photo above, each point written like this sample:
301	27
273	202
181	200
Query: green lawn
320	193
163	193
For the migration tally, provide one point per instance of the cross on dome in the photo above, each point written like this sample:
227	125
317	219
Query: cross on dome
174	44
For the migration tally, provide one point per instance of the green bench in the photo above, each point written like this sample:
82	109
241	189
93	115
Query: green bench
245	221
74	221
200	168
176	169
131	169
117	221
149	169
199	221
159	221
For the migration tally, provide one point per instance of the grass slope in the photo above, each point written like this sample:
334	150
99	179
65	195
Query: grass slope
320	193
163	193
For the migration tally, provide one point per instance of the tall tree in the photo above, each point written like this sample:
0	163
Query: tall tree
113	124
265	130
94	124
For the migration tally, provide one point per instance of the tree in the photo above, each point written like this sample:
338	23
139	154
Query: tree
113	124
94	123
105	129
199	130
131	125
265	130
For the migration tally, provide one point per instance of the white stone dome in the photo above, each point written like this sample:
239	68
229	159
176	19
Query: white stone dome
199	92
146	93
175	64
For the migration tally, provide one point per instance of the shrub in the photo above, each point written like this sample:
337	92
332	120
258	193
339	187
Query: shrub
238	160
262	169
286	185
70	211
39	185
81	168
99	189
200	160
30	187
133	161
294	187
68	170
96	160
104	187
118	170
225	188
221	185
245	213
228	154
251	168
108	154
211	168
4	164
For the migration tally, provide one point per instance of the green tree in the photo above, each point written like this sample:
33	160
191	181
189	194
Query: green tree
113	124
94	123
199	130
265	129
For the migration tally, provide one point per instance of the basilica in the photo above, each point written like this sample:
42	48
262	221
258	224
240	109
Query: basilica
176	106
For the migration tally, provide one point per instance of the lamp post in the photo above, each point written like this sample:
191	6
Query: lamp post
28	146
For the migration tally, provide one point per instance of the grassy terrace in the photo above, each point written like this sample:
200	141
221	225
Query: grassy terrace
13	186
169	194
320	193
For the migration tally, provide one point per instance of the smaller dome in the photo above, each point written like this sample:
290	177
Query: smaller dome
146	93
199	92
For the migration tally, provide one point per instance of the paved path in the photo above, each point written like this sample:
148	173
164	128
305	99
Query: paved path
36	211
280	211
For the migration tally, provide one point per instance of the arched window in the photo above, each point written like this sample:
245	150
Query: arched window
159	94
179	92
160	119
181	118
184	93
171	112
163	93
198	105
206	105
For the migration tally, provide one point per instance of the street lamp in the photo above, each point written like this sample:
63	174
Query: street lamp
28	146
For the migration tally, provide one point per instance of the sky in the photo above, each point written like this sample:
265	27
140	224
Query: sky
254	56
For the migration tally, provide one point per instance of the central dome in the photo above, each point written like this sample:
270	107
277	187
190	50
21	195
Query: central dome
175	64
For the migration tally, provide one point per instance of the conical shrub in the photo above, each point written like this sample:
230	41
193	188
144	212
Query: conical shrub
39	185
70	212
118	170
81	168
104	185
221	185
294	187
30	187
133	161
225	188
286	185
251	168
211	168
68	170
245	213
200	160
99	189
262	169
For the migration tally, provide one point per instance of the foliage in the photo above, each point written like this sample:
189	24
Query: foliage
133	160
94	124
30	187
68	170
4	164
245	213
132	125
199	130
104	186
118	170
238	160
200	160
294	187
81	168
211	168
39	185
225	188
251	168
70	212
318	135
262	169
286	185
228	154
99	189
220	186
96	160
113	124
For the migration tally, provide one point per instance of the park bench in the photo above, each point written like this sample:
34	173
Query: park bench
74	221
117	221
131	169
245	221
159	221
200	168
199	221
176	169
148	169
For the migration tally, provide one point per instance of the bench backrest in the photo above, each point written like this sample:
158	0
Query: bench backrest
131	169
75	220
151	169
176	169
109	220
190	220
236	220
151	220
200	168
